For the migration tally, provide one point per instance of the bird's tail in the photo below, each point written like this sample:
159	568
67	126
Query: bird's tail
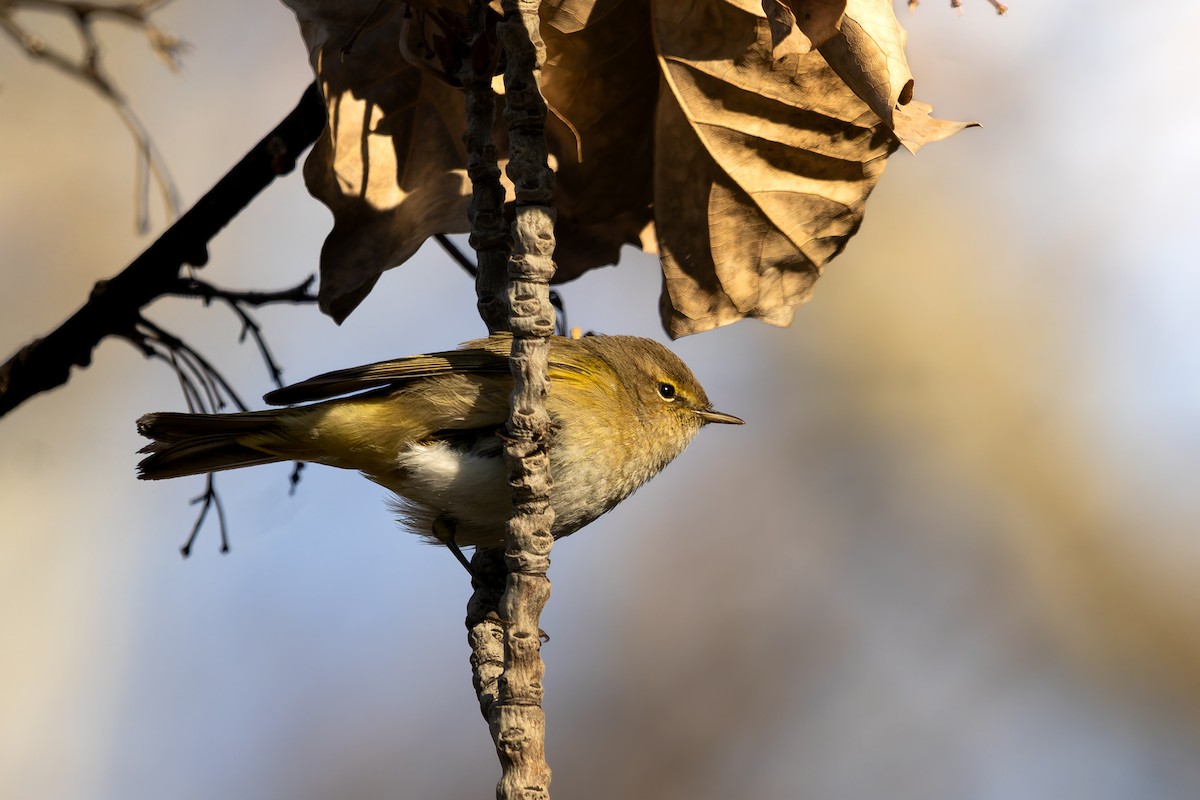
193	444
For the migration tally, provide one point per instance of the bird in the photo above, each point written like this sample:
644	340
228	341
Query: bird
429	429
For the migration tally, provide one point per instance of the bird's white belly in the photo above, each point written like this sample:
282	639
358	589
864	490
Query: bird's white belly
469	486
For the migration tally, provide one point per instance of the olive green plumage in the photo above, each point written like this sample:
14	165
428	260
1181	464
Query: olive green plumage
425	427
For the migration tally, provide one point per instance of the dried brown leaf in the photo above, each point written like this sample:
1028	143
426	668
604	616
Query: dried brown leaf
390	165
392	168
786	38
798	26
673	124
868	53
764	167
601	85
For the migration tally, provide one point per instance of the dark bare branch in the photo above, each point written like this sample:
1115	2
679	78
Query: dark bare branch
115	305
457	255
205	391
208	501
237	303
491	242
472	269
216	386
490	237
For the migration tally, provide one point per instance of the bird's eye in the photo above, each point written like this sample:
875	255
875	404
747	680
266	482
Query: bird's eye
666	391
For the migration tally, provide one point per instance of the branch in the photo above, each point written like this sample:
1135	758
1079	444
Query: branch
517	722
205	389
485	631
114	307
217	387
237	302
490	237
472	269
512	287
202	385
957	6
208	501
485	634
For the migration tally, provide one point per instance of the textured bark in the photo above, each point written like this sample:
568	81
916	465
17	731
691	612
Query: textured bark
485	633
490	237
492	243
518	723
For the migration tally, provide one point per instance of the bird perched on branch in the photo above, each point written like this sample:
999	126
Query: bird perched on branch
428	428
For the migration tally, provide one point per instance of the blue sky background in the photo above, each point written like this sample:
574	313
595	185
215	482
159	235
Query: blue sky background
954	553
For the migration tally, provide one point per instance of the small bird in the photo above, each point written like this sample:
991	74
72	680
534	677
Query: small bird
427	427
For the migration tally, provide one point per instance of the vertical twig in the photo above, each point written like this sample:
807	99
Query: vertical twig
510	690
490	237
518	723
491	241
485	633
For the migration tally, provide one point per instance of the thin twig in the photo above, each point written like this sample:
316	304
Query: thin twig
369	21
115	305
490	240
237	302
193	287
956	5
209	375
204	387
485	631
517	721
205	391
490	237
210	499
470	267
457	255
294	477
191	393
89	68
152	348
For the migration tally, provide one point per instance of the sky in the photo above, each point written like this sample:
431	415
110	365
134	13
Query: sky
953	553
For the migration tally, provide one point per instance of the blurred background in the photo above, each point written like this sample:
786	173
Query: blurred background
955	552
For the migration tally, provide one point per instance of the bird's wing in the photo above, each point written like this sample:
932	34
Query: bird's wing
480	357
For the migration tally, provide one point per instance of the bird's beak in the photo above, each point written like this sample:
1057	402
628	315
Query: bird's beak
708	415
